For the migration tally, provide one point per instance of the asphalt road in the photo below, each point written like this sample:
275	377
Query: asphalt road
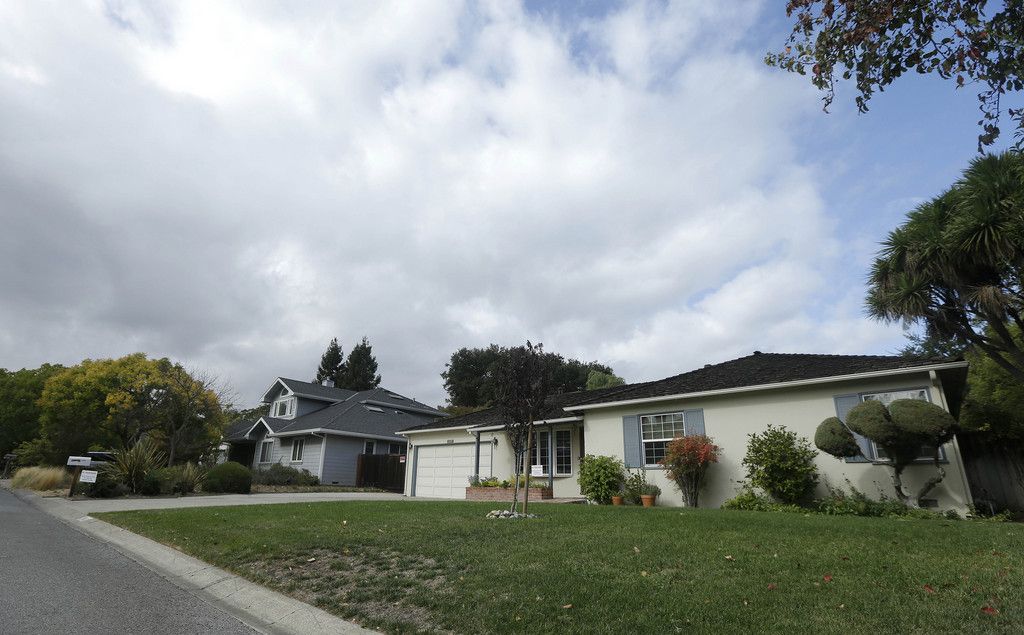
54	579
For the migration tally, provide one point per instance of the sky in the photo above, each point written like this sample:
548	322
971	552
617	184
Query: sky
233	184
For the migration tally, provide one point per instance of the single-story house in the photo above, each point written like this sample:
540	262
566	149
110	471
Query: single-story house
323	429
726	401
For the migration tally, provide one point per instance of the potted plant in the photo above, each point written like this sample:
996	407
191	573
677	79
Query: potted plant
617	499
649	492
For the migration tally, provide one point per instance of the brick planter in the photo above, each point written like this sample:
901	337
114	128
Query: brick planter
504	493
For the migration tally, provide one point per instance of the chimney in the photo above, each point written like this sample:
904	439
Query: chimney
328	382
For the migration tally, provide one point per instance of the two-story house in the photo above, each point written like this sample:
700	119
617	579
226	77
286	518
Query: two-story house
323	429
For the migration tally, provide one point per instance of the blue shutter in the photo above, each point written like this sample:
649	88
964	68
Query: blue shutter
632	455
844	404
693	420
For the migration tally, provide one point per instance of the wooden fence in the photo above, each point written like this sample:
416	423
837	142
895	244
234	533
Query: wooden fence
384	471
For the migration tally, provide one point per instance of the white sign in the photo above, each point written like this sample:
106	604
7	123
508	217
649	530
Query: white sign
88	476
79	461
536	470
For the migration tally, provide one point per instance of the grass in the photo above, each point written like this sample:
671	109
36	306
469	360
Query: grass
407	566
41	478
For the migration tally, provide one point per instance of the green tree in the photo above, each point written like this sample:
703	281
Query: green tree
194	419
469	376
901	430
874	43
956	265
360	371
598	379
332	364
923	345
19	408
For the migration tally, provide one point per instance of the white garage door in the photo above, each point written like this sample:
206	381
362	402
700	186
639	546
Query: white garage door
443	471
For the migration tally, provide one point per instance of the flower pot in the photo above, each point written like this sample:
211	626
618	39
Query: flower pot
616	500
647	500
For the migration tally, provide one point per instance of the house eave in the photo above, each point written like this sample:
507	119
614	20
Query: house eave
421	431
337	433
541	422
773	386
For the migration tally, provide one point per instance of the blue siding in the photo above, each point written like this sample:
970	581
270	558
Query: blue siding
340	461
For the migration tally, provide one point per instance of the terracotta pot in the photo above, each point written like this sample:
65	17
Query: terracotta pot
616	500
647	500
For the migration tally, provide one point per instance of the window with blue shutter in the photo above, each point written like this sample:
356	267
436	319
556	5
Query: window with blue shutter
844	404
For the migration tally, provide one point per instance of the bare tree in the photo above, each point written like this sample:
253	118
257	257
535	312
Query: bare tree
522	381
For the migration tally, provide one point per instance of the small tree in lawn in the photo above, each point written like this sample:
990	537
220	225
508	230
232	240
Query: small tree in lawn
522	381
686	463
901	431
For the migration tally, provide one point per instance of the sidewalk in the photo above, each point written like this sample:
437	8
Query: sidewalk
260	608
96	505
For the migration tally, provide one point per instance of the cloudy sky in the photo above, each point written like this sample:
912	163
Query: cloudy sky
231	185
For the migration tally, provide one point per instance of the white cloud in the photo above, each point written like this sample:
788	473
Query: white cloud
236	184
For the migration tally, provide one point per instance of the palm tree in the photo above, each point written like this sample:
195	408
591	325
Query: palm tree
956	264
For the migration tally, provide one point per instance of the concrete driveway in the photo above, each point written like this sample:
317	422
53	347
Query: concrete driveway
91	506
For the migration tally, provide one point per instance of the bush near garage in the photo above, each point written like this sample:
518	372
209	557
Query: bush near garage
228	478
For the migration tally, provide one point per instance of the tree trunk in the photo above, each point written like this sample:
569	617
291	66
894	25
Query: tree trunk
933	481
172	446
518	462
897	483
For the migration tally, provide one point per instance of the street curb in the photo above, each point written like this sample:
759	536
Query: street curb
256	606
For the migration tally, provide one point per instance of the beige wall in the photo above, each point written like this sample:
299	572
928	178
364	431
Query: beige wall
728	420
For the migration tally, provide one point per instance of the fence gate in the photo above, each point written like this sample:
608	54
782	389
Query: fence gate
384	471
994	472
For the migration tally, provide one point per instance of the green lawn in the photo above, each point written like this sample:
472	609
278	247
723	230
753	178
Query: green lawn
407	566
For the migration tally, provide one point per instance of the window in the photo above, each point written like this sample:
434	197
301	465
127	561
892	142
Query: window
395	448
297	446
927	451
369	447
265	451
284	407
539	450
563	452
657	431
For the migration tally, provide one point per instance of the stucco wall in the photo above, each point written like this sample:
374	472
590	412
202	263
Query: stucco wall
728	420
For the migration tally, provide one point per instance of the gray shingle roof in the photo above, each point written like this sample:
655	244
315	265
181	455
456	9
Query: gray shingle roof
236	431
318	391
386	414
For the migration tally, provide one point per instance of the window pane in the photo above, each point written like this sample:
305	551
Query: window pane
654	451
563	452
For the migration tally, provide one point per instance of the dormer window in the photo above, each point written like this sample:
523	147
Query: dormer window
284	408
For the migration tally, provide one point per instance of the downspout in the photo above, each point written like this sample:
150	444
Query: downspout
323	453
937	383
551	459
476	461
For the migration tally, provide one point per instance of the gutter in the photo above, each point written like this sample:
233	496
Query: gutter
337	433
775	386
535	423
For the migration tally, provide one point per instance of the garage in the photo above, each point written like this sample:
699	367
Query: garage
443	471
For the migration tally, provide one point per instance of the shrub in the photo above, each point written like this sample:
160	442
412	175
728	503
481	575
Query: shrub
41	478
189	479
150	484
749	500
837	503
782	464
278	474
228	478
106	486
686	462
601	477
131	466
636	485
836	439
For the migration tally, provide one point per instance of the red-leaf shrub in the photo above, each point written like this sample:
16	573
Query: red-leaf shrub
686	462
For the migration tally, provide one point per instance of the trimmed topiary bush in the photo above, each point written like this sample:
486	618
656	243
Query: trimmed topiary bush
832	437
871	419
601	477
228	478
781	464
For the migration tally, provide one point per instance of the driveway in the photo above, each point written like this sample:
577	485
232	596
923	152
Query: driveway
54	579
93	506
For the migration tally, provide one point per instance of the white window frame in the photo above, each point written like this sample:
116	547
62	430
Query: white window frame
392	445
298	444
270	451
898	394
662	439
370	444
535	446
567	432
289	408
535	458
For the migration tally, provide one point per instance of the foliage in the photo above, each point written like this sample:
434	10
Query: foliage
522	380
832	437
782	464
875	43
193	420
837	503
132	466
469	376
924	345
332	364
278	474
360	369
180	479
686	462
594	557
995	401
900	430
601	477
637	485
751	501
19	411
598	379
955	266
106	486
40	478
228	478
150	484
